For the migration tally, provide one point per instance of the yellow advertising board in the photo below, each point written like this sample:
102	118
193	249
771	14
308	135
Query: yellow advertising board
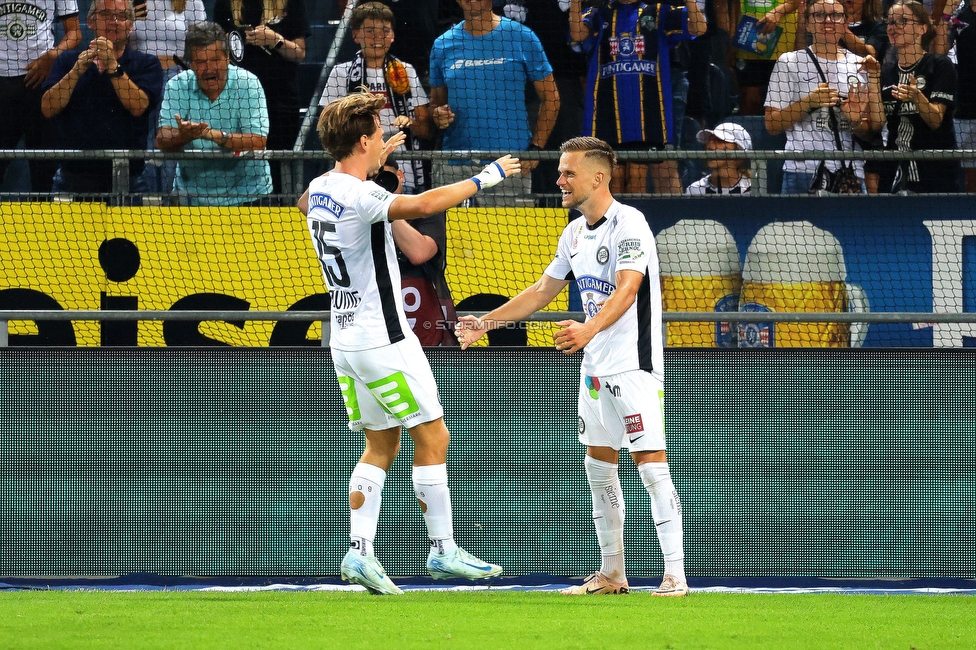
88	256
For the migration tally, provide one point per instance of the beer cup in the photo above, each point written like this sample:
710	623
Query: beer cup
795	266
700	271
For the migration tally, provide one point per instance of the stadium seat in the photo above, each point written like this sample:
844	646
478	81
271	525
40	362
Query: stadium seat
762	140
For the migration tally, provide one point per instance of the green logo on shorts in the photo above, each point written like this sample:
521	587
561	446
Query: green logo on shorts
349	398
394	395
593	385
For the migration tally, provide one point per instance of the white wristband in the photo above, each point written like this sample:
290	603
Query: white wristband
490	176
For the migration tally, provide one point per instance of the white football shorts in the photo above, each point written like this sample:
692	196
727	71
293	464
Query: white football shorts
622	411
387	387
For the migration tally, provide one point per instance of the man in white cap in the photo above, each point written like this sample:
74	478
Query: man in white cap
727	176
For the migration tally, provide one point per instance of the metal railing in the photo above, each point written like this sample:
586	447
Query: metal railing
295	181
543	317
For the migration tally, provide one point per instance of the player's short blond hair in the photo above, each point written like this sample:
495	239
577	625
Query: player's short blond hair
344	121
593	149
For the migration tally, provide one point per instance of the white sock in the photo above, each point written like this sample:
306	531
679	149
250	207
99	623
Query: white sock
608	515
365	486
666	510
430	486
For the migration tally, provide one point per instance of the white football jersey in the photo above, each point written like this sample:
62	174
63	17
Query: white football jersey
353	240
620	241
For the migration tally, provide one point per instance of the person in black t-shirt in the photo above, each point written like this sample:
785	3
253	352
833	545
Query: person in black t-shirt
919	93
964	26
274	32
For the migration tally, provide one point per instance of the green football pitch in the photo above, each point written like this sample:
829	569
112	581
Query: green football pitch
481	619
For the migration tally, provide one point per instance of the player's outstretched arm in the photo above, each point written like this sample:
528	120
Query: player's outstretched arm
406	206
469	328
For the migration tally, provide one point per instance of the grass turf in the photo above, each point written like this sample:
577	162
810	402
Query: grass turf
97	619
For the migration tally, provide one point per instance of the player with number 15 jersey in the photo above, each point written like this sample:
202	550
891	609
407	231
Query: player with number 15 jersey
347	218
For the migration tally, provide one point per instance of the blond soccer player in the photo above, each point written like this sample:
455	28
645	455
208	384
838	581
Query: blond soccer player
611	253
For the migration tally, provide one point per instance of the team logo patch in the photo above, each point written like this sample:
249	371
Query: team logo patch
603	255
920	82
633	423
629	249
593	385
581	425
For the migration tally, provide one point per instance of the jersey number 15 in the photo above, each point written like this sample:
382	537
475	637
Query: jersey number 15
330	256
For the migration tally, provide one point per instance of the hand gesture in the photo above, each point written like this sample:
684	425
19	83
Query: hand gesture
103	53
509	165
768	22
823	97
469	329
573	336
85	59
190	130
402	122
907	92
390	145
855	107
870	65
443	116
141	11
38	69
262	36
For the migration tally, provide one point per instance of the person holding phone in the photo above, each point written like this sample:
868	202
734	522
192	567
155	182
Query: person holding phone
274	45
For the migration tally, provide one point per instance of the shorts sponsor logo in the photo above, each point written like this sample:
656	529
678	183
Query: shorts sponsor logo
349	398
613	390
593	385
633	423
394	395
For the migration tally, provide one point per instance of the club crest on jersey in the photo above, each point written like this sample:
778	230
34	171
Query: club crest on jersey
327	203
602	255
627	45
593	292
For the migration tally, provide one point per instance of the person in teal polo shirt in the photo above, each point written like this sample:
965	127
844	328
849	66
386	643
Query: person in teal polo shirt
217	106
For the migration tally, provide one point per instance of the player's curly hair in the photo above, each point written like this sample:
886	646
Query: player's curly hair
591	148
344	121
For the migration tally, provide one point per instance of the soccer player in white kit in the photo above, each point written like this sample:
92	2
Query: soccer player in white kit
610	252
385	378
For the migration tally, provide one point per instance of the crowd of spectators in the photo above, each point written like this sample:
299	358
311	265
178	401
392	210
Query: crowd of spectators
514	75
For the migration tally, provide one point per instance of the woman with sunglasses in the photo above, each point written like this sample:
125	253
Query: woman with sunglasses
919	92
822	96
